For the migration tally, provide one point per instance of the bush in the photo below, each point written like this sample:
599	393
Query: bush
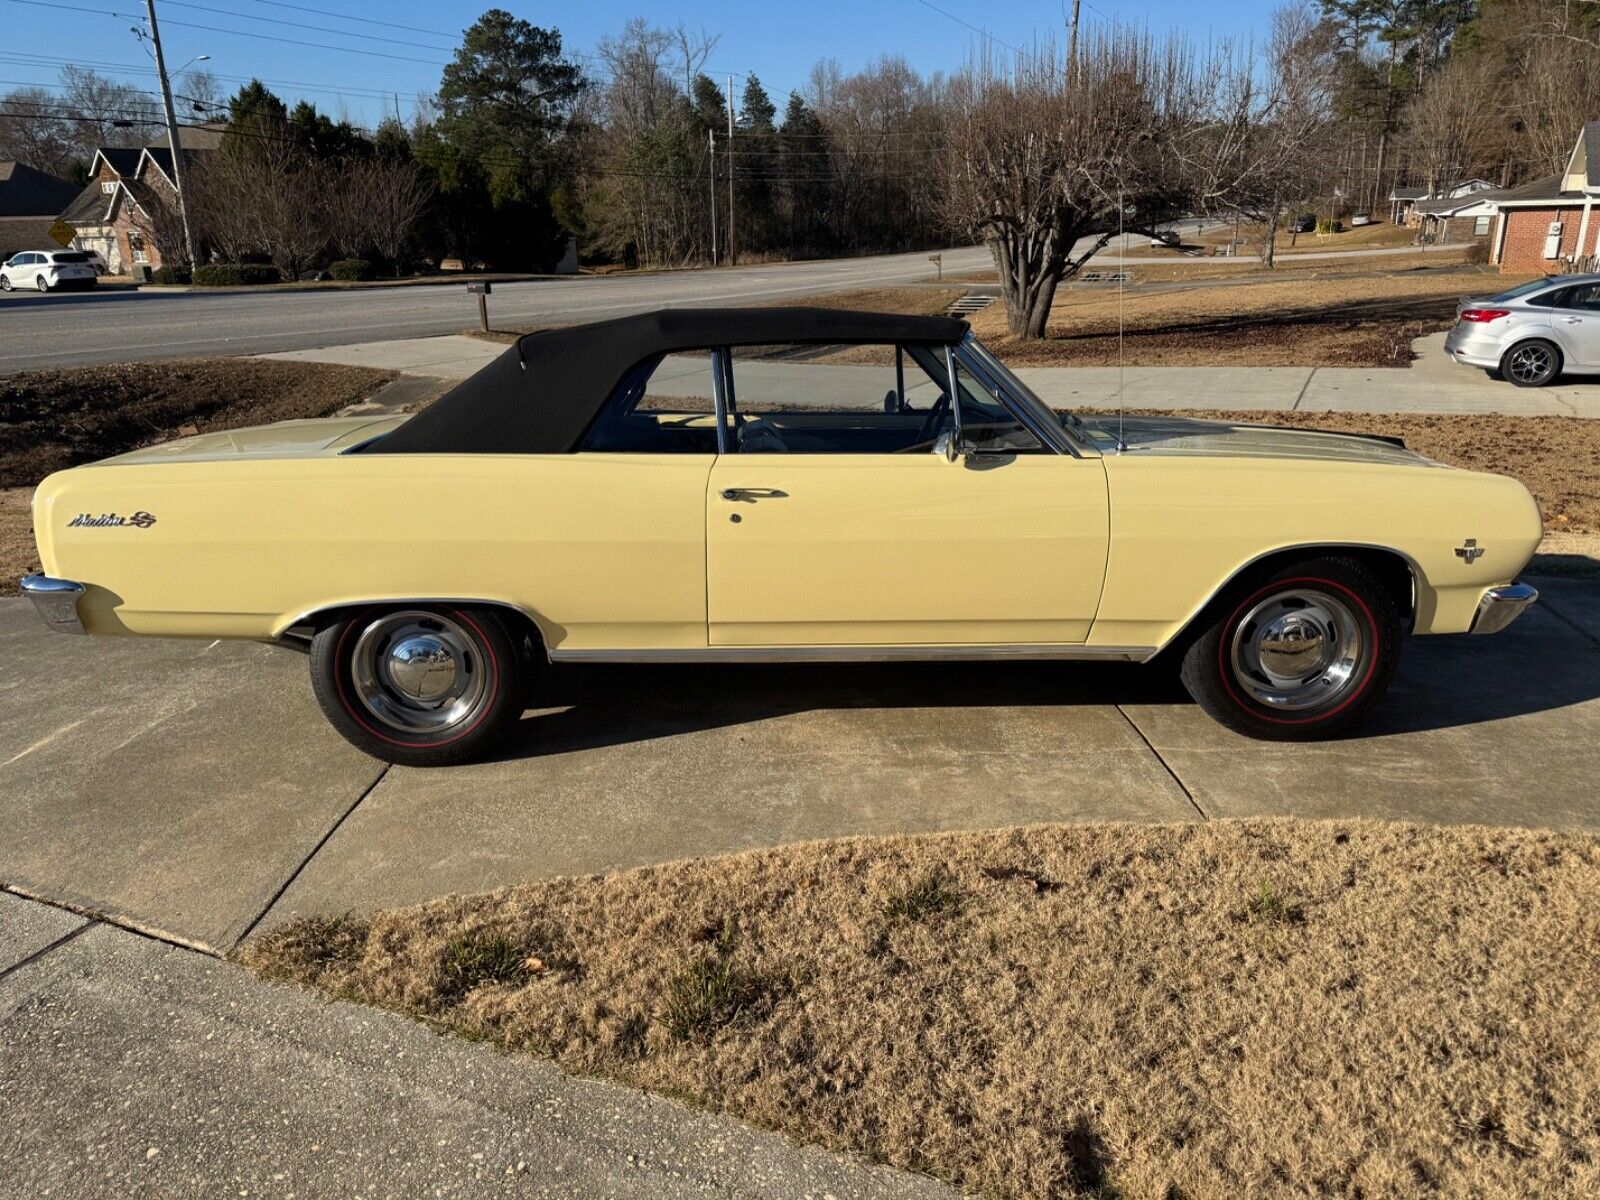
235	274
170	275
1330	226
351	269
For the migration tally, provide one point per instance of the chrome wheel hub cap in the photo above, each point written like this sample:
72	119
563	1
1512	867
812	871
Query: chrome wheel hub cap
418	672
1297	649
1531	362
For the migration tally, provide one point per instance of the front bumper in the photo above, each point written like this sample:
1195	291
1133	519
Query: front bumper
1502	605
56	601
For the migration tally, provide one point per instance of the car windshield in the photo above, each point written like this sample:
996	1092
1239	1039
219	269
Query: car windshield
1521	290
1019	391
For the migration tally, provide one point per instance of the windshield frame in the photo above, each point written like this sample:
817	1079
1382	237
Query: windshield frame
1064	430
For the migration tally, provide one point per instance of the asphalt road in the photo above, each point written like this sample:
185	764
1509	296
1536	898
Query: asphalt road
99	327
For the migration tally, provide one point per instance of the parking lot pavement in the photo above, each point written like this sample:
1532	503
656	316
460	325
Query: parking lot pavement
133	1068
196	789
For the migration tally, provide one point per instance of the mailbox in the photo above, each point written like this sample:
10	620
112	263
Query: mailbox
480	288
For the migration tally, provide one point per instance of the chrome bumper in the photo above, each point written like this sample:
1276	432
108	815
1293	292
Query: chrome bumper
1502	605
56	601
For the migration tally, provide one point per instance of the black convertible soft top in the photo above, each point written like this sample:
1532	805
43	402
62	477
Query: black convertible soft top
542	394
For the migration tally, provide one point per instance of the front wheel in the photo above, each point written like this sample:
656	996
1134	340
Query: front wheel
424	686
5	283
1300	655
1531	364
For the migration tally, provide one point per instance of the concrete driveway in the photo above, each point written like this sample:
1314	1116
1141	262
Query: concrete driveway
195	790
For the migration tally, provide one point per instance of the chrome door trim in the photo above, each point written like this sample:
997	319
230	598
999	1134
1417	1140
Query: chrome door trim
847	654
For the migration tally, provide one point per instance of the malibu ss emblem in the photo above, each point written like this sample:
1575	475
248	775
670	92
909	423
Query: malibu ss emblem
1470	551
139	520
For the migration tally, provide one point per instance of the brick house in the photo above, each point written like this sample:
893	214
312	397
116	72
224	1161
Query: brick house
1551	224
29	201
1406	203
127	184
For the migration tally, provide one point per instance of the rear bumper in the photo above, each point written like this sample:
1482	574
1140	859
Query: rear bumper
56	600
1473	351
1502	605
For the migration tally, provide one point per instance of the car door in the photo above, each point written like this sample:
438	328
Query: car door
838	514
1576	319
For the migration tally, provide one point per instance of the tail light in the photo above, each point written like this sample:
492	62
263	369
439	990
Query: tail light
1484	315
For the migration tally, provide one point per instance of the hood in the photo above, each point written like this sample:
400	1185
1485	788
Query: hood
286	439
1221	439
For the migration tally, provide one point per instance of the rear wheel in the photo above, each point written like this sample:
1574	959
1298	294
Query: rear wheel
40	282
1531	364
420	686
1299	655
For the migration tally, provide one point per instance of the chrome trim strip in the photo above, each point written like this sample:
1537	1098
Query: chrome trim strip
55	600
827	654
1054	437
1502	605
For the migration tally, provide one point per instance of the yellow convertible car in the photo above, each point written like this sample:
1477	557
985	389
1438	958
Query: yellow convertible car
779	485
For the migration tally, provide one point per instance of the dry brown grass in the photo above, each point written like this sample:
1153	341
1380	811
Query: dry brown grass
1202	1011
1319	320
18	554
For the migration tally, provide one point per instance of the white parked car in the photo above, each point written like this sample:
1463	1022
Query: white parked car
1532	334
47	270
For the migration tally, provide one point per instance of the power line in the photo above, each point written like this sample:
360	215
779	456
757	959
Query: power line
984	33
325	12
230	12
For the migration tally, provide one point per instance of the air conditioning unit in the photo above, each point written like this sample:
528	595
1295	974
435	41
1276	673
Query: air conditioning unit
1552	240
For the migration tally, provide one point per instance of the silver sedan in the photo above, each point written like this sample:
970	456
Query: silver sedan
1534	333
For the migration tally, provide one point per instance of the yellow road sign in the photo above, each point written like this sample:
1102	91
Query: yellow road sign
62	233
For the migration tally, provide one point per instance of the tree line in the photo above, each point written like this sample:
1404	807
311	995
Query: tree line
523	146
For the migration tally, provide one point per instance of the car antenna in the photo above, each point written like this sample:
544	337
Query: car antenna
1122	283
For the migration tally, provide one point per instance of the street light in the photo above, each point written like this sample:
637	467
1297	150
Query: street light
191	62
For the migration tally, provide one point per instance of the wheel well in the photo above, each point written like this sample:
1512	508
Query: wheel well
521	624
1392	570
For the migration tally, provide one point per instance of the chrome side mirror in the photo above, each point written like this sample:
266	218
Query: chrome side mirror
945	446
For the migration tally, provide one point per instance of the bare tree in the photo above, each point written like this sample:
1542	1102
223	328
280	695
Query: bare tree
36	130
1048	157
694	50
397	196
345	209
1452	119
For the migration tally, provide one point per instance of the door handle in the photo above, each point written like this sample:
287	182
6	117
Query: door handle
748	493
1573	320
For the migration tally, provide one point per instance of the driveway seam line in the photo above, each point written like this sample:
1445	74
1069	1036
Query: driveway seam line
43	950
1165	766
315	850
111	920
1304	387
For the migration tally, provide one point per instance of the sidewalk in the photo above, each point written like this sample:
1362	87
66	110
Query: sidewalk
1432	384
135	1068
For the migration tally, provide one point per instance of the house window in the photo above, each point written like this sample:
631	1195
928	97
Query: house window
136	244
1480	226
108	186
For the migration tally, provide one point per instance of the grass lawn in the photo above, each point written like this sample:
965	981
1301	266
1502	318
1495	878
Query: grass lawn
1341	319
58	418
1201	1011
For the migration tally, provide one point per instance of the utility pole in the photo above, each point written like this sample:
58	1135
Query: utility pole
172	133
733	244
712	160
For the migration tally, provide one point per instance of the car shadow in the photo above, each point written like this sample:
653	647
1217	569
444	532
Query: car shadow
1539	665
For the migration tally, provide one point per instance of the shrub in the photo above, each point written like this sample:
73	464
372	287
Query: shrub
351	269
170	275
235	274
1330	226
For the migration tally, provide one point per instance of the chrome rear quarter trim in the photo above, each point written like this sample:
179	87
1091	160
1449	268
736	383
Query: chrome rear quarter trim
830	654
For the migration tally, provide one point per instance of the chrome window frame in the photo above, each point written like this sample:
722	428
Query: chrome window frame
1015	397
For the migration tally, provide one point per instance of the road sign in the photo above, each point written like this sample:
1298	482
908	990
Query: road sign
62	234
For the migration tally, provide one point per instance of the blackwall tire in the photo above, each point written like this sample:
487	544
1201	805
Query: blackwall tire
420	685
1534	363
1298	655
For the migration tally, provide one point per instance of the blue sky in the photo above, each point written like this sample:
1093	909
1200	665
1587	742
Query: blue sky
777	41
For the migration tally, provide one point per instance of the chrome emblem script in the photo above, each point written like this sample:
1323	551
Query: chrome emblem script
139	520
1470	551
